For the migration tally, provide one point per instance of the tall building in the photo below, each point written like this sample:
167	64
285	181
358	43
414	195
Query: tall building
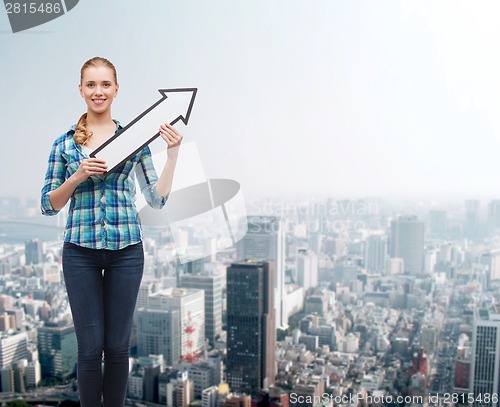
251	337
472	223
58	350
376	254
211	284
494	215
265	240
33	251
190	304
407	243
307	269
159	333
485	365
13	348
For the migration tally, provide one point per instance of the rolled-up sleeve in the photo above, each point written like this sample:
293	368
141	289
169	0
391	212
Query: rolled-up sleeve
54	177
147	179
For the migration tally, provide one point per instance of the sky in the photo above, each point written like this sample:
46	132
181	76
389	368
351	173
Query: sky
295	98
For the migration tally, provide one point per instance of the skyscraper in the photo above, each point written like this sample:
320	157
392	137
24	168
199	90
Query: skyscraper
190	304
307	269
484	378
211	284
251	336
472	224
33	251
265	240
494	215
159	333
376	254
407	242
58	350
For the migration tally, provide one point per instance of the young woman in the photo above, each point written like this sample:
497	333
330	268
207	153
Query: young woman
102	255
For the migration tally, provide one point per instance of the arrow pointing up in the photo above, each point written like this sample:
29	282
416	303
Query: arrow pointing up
174	105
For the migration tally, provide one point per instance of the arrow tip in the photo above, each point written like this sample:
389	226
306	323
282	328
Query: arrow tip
184	117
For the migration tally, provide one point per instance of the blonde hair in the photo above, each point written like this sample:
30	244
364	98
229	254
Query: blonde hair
82	135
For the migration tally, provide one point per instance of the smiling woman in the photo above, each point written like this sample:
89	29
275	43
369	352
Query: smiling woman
98	87
102	257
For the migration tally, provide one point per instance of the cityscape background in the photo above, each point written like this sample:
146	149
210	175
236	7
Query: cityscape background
364	137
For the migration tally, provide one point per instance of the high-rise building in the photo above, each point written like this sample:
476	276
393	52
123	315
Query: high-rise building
494	215
472	224
485	365
376	254
407	242
265	240
190	304
211	284
13	348
307	269
251	336
159	333
58	350
33	251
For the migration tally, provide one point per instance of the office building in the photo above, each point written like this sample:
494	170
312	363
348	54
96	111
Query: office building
485	365
251	336
159	333
33	250
58	350
13	347
307	269
211	284
472	222
190	305
407	243
376	254
265	240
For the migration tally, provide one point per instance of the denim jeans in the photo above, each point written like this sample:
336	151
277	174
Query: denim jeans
102	288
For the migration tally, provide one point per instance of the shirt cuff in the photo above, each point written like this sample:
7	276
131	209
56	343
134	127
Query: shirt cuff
46	206
157	200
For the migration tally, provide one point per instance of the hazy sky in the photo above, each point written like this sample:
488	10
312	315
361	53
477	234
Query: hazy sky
327	98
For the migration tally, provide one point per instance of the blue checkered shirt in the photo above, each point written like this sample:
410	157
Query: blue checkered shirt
102	212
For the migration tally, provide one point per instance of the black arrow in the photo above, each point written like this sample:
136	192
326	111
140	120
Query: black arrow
143	129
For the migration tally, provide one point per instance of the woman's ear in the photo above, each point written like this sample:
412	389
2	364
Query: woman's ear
80	89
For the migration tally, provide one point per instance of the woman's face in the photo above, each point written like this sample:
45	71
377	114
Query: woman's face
98	88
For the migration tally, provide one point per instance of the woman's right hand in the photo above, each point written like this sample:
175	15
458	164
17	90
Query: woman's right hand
88	167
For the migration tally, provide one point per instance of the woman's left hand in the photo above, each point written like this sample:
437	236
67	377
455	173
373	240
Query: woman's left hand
172	137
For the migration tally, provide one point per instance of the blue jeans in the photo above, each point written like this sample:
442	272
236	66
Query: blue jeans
102	288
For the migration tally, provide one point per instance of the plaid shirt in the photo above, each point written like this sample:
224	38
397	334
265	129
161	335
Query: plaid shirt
102	212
